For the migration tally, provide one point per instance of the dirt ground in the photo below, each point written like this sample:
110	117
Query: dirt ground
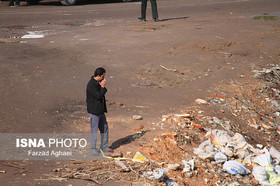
199	49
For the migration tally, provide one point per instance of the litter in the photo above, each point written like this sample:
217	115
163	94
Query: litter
227	151
33	35
173	166
189	165
156	174
234	184
242	147
272	176
182	115
277	169
222	141
260	175
274	153
122	165
263	159
138	157
170	182
220	138
234	167
205	150
220	157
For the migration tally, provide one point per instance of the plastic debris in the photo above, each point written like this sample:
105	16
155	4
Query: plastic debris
173	166
170	182
234	184
243	148
222	141
138	157
277	169
33	35
272	176
189	165
205	150
274	153
156	174
220	138
122	165
263	159
220	157
260	175
234	167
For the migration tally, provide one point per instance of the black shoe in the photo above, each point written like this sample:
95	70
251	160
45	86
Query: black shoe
156	19
142	19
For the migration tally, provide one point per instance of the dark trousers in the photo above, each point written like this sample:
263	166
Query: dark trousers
144	7
11	2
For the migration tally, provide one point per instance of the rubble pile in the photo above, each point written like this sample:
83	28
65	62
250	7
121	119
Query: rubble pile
239	145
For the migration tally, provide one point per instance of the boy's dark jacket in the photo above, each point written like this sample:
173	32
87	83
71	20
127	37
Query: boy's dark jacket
96	103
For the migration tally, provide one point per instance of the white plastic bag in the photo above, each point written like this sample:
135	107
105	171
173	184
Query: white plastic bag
247	160
263	159
242	154
227	151
274	153
260	175
243	148
220	157
239	140
220	138
234	167
205	150
277	169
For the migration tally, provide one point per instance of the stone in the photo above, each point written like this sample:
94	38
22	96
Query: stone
201	101
137	117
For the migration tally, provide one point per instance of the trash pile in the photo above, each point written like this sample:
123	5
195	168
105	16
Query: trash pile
229	138
235	152
258	105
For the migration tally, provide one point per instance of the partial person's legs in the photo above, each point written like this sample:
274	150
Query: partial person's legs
104	133
94	122
17	2
11	3
154	9
143	9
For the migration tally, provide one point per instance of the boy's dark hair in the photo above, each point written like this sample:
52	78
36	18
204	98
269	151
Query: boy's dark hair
99	71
